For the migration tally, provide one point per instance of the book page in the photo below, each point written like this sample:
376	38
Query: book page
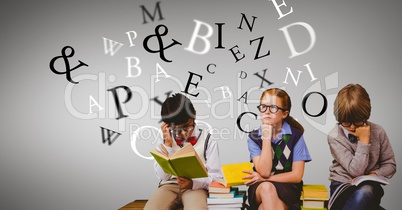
187	150
361	179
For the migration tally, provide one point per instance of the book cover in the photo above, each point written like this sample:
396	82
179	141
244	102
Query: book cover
184	162
314	192
233	173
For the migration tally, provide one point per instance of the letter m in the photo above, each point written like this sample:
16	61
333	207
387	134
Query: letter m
145	12
109	138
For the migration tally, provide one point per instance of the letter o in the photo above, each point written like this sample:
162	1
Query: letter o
324	108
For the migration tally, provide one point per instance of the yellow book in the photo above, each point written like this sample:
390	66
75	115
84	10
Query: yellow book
233	173
315	192
185	162
307	208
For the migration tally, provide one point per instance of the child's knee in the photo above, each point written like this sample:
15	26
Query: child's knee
267	188
365	192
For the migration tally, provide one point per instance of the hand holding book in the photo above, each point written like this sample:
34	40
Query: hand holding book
185	162
253	177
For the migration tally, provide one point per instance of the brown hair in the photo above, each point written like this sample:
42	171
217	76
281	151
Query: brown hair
177	109
352	104
287	105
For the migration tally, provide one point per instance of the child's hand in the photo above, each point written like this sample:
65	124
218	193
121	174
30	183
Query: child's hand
266	132
363	133
184	183
166	135
254	177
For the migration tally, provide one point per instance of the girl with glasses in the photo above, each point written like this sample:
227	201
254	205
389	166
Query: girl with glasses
278	152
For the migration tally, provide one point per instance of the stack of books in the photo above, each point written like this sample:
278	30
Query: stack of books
314	196
225	197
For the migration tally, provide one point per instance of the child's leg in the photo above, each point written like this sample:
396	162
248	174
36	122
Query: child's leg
267	195
366	196
163	197
195	199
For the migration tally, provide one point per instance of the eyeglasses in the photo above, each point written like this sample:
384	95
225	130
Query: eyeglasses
357	124
272	108
186	128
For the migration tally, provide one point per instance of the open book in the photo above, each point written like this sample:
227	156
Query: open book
345	189
185	162
360	179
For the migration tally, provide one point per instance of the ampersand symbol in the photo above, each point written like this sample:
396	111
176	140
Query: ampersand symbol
158	35
67	63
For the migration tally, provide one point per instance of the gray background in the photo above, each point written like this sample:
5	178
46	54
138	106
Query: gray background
52	155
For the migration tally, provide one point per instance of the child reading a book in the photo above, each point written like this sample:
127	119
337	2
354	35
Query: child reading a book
179	128
359	147
278	152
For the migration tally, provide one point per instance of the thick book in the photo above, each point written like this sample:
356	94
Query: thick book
307	208
239	198
185	162
225	206
344	190
233	173
314	196
314	204
216	187
230	194
314	192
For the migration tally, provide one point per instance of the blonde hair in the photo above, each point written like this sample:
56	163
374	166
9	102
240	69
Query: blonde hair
352	104
286	103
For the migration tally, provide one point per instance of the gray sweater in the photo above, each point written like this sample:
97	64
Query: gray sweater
356	159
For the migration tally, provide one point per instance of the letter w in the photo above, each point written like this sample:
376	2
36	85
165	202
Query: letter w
111	46
109	134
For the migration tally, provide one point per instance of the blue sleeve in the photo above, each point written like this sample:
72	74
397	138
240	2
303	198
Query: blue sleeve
300	151
253	148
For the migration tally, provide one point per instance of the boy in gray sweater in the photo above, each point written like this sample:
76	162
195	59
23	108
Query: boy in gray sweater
359	147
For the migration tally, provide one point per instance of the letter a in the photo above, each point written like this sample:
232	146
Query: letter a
161	71
93	102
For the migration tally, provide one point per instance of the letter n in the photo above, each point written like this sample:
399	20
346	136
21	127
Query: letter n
250	27
152	17
109	138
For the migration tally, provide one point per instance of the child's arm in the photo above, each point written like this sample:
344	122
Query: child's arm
355	164
263	163
213	166
387	157
294	176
